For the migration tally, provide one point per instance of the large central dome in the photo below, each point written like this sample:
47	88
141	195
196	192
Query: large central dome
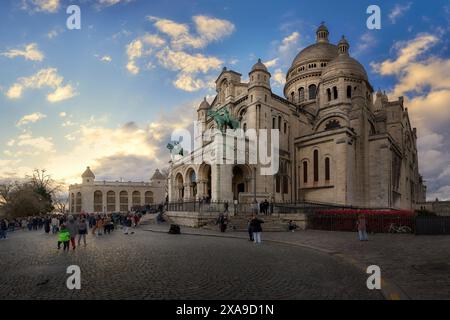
320	50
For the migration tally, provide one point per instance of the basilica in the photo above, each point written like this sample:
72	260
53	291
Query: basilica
340	142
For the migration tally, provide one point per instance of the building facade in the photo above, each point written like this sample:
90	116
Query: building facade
340	142
93	196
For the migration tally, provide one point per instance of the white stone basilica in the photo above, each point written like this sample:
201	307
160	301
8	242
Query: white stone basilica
340	142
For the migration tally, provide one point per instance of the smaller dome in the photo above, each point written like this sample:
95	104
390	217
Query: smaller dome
344	65
88	173
204	105
259	66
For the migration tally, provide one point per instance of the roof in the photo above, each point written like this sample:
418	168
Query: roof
88	173
158	175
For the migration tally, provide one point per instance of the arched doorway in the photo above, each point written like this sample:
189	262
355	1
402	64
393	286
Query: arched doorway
191	177
179	185
205	188
241	176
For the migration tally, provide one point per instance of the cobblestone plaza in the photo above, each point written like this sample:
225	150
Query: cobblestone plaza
150	265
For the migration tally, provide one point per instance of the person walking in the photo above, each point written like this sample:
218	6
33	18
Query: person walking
72	227
82	231
55	225
3	229
222	221
255	224
362	228
63	238
127	224
47	223
99	225
250	230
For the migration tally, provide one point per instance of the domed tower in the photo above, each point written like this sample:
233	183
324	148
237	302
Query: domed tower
303	78
202	110
344	80
88	176
259	76
202	114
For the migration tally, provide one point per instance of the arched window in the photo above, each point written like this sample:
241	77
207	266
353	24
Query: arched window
335	93
148	198
279	123
277	184
72	207
124	201
78	203
136	199
292	96
273	123
285	127
349	92
285	185
305	172
316	166
327	169
312	91
329	94
301	94
98	201
111	201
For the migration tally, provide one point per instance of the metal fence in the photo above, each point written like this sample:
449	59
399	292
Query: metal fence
432	225
376	223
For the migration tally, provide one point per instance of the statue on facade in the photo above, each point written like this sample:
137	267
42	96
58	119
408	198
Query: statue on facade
224	120
175	149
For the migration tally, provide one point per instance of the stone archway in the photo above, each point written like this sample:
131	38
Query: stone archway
205	181
241	181
179	186
191	183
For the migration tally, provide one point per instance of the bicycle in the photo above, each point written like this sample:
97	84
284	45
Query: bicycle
400	229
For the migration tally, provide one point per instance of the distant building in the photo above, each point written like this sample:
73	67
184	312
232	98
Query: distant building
93	196
340	141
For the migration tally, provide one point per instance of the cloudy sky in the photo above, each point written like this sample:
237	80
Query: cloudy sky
109	95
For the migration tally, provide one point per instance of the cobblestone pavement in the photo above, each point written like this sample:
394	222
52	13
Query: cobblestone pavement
150	265
417	266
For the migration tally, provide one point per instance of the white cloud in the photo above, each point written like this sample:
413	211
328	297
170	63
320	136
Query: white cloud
289	43
62	114
167	50
109	3
365	42
279	78
208	30
105	58
31	118
398	11
407	52
188	63
29	52
271	63
212	29
47	6
55	32
44	78
38	144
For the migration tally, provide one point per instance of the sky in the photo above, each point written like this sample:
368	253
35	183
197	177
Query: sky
109	95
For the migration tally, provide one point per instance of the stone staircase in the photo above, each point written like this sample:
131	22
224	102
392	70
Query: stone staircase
240	223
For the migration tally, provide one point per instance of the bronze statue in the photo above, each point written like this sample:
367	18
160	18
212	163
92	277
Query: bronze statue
224	120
